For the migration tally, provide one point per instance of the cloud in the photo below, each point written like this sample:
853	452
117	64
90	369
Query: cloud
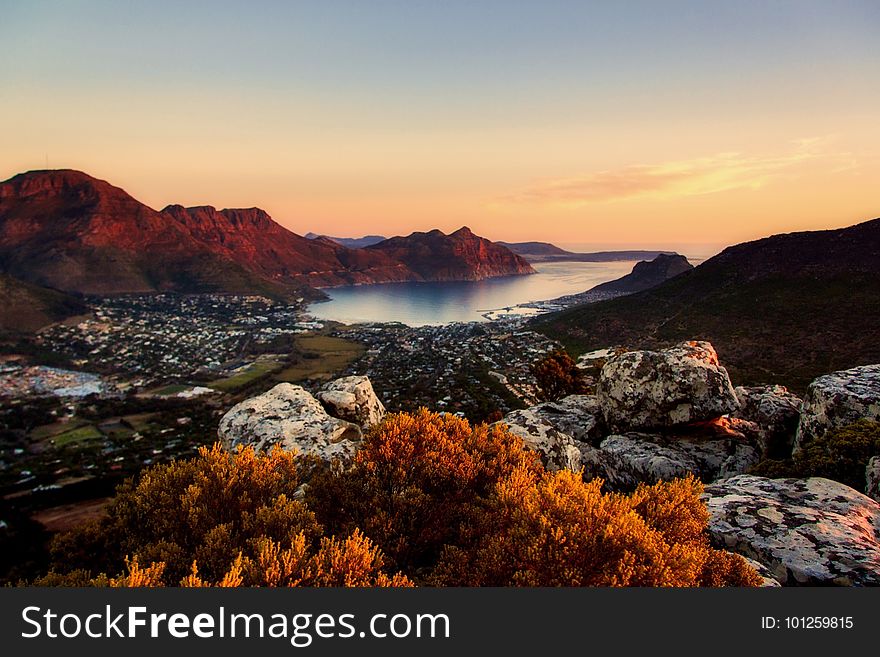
704	175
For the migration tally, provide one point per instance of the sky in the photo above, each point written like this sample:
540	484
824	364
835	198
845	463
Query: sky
605	123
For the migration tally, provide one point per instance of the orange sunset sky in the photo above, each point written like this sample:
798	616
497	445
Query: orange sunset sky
637	123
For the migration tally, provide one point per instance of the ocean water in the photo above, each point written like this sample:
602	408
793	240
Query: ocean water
421	304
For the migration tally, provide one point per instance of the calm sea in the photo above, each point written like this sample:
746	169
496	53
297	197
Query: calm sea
420	304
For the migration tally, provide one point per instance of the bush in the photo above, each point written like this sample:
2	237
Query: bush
841	454
415	482
557	530
217	518
427	494
557	376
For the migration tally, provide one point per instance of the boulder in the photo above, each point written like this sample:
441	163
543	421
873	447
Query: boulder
557	449
576	415
352	398
838	399
776	411
287	415
625	461
805	531
646	390
872	478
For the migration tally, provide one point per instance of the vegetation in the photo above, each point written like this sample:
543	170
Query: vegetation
558	375
841	454
429	499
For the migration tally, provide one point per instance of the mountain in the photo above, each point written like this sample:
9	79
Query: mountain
647	274
66	230
458	256
351	242
782	309
251	239
28	307
546	252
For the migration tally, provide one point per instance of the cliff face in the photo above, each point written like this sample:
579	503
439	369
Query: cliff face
458	256
69	231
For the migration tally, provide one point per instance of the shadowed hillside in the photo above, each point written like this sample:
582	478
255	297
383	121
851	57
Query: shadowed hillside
781	309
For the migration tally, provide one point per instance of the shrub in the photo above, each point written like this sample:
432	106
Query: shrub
841	454
210	520
557	530
415	481
557	376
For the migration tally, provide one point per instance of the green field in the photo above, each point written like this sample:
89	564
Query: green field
56	428
323	357
87	432
169	390
255	371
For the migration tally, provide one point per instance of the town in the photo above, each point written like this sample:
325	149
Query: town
145	379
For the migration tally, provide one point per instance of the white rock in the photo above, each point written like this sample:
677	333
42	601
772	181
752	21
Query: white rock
625	461
872	478
805	531
289	416
557	449
352	398
650	390
776	411
838	399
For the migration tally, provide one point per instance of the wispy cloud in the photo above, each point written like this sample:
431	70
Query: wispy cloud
704	175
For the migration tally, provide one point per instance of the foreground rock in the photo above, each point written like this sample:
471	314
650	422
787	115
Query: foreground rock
872	478
557	449
287	415
641	390
352	398
805	531
776	411
838	399
625	461
559	430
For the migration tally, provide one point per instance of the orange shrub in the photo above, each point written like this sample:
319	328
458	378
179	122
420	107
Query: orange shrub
417	480
557	530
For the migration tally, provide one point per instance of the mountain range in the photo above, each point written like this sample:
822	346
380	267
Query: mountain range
351	242
546	252
782	309
68	231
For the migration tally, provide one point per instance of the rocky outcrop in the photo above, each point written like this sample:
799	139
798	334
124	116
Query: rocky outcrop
352	398
647	274
558	450
838	399
641	390
287	415
805	531
559	430
872	478
625	461
776	411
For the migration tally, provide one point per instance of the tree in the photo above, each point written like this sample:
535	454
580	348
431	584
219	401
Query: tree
557	376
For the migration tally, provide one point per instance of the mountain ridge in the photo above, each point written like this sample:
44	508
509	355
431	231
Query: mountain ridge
66	230
781	309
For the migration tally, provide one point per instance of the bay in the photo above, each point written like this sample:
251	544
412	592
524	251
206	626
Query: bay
422	304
